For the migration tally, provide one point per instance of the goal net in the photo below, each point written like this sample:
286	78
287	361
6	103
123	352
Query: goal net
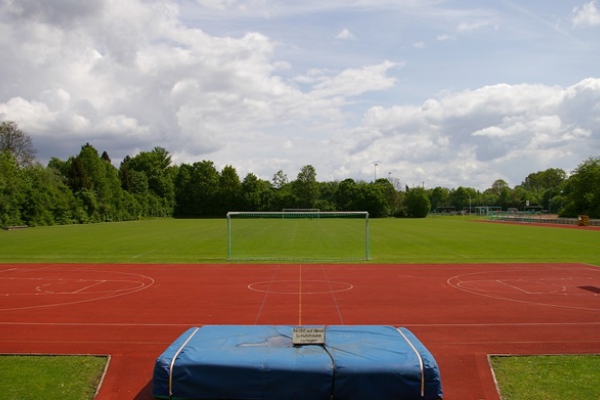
298	236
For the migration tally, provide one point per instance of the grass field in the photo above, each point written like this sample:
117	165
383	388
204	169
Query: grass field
50	377
401	241
325	239
405	241
548	377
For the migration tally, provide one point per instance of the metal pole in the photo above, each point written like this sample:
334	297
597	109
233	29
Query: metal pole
228	236
367	239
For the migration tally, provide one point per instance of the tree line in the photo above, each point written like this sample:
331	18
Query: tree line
87	187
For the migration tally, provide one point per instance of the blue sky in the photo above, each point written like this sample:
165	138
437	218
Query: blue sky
450	93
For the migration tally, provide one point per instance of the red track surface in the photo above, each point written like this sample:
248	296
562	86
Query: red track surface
462	313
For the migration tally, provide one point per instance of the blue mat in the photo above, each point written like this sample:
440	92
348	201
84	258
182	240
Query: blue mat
260	362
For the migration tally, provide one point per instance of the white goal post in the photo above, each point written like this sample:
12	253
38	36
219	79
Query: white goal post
298	236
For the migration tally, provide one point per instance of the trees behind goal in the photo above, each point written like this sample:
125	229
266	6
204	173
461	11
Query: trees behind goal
298	236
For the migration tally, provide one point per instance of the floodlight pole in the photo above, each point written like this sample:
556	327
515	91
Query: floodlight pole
375	171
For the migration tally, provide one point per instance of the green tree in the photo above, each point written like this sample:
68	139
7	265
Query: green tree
390	195
417	203
156	164
326	200
544	186
86	178
152	169
371	197
498	186
184	198
548	179
362	196
17	142
439	197
12	190
346	195
462	198
256	194
279	179
582	190
95	183
505	198
125	174
48	200
197	188
305	187
230	190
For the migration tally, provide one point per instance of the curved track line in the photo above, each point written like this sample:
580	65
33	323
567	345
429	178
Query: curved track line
457	283
109	294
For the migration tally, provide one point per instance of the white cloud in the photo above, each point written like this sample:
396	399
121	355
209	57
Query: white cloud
254	85
444	37
242	5
345	34
471	26
501	127
586	15
352	82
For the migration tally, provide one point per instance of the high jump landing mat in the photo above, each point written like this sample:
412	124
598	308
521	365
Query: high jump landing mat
263	362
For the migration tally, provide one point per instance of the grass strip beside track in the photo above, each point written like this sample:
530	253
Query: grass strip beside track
34	377
395	241
547	377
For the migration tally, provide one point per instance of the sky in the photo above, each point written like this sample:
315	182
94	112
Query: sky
421	92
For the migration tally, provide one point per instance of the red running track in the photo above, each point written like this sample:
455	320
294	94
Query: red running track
462	313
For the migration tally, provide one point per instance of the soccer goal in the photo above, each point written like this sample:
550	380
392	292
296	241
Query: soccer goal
298	236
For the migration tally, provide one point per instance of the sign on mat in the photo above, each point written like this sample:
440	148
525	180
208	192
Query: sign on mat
308	335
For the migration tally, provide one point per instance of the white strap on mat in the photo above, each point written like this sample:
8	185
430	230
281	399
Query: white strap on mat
420	362
174	358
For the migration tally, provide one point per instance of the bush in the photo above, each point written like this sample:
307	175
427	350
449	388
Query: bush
417	203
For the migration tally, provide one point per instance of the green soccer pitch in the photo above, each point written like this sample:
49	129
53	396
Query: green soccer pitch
394	241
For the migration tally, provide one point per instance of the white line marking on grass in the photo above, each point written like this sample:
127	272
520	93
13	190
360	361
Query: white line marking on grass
144	254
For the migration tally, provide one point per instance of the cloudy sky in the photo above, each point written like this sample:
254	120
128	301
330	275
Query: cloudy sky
440	92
